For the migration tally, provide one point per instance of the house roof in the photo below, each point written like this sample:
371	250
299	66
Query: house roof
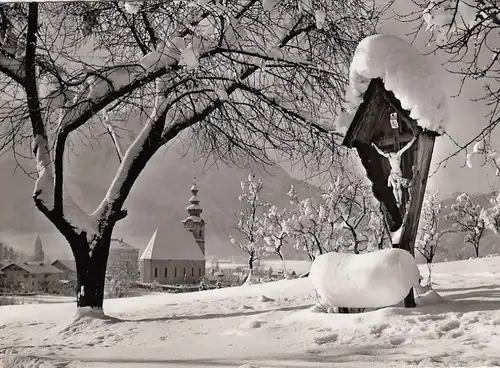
34	268
120	244
68	263
173	245
43	268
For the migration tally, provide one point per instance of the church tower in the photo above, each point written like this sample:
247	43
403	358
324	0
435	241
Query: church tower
194	222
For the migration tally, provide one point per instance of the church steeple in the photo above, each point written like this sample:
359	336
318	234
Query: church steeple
194	222
194	209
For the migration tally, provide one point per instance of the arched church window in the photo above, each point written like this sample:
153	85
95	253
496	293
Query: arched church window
156	271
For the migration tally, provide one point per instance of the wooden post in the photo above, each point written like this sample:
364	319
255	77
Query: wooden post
425	146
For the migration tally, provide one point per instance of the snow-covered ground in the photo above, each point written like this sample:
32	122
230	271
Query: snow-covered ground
236	326
298	266
43	299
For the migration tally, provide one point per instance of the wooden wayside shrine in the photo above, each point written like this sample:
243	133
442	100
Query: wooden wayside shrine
381	121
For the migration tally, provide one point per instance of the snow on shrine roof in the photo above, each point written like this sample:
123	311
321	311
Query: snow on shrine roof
173	245
412	77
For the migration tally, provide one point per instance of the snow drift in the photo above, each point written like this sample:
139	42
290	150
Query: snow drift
377	279
412	77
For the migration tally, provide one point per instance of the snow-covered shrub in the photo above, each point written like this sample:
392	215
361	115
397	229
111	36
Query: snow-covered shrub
118	280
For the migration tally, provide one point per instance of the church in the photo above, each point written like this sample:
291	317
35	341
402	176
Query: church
177	256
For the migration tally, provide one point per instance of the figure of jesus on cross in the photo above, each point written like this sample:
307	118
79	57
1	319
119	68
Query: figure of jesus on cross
395	179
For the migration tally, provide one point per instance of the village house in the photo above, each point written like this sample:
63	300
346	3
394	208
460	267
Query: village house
32	276
121	254
125	257
68	268
177	257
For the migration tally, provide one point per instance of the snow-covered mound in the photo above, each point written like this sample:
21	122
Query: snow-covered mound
377	279
412	77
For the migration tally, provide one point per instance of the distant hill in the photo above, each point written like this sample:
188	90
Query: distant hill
158	199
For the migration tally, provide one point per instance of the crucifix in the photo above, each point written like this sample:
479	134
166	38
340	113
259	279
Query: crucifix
395	179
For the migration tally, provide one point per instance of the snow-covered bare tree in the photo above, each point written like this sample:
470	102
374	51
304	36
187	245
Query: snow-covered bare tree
466	215
429	232
340	221
377	230
491	215
250	223
275	234
244	78
38	253
306	227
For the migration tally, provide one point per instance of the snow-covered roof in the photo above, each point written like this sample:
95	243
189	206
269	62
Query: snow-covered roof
412	77
178	244
120	244
68	263
34	268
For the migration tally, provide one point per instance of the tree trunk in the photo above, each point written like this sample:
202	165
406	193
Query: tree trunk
285	273
249	278
429	279
476	248
91	271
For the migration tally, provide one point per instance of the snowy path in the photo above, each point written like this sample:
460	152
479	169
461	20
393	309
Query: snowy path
233	327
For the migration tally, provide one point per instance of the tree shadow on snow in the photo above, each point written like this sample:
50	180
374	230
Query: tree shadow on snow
371	352
455	305
214	315
129	360
458	289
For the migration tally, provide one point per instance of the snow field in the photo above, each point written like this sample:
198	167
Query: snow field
267	325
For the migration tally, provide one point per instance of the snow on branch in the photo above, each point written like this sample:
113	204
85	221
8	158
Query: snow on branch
44	185
412	77
448	18
136	149
112	133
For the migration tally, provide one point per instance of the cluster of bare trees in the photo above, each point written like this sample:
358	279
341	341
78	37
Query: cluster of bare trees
344	218
246	79
466	217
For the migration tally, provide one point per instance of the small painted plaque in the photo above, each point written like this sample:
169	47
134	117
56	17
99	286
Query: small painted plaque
394	120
